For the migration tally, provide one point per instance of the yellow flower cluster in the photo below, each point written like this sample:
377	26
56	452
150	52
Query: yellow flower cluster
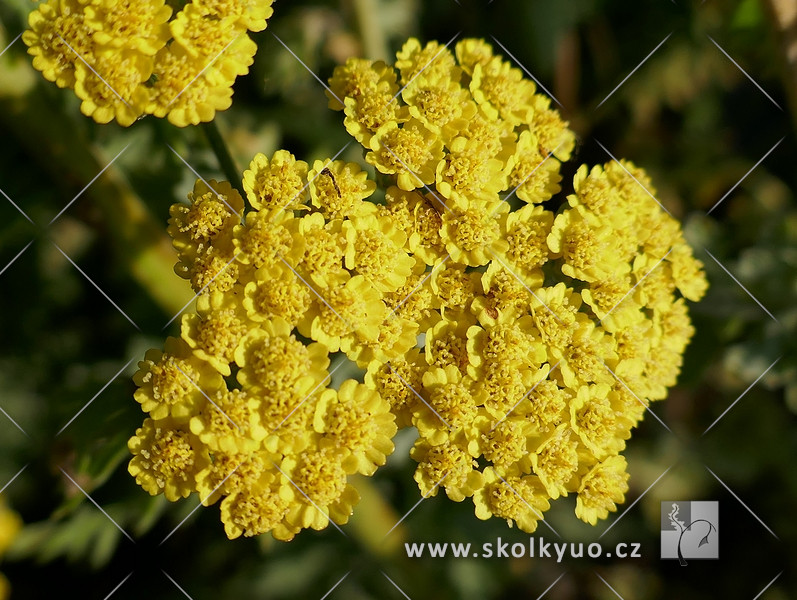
546	333
10	524
239	406
523	337
125	59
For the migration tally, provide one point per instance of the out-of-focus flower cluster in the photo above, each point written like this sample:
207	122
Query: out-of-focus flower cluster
239	406
10	524
547	329
125	59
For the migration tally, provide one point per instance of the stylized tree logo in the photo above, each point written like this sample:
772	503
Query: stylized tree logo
683	528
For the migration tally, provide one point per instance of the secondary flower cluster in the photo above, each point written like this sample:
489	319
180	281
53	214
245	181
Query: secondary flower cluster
239	406
134	57
546	333
10	524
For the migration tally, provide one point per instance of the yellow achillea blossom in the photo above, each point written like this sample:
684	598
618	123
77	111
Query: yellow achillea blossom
521	334
239	408
547	330
10	524
128	59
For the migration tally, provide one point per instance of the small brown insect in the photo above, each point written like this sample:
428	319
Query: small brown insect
329	174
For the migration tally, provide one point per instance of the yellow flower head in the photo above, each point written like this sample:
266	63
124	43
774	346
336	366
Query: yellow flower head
360	78
471	52
277	293
230	423
215	331
467	175
265	243
587	246
165	458
346	314
273	361
593	419
253	514
433	59
321	263
436	100
447	344
527	230
450	401
338	189
488	137
410	152
448	465
453	285
368	115
222	473
173	383
204	229
535	174
183	92
553	136
112	21
555	461
545	405
276	184
601	489
502	91
396	337
129	59
112	87
251	14
513	344
418	216
472	235
520	500
502	387
415	300
55	27
374	250
357	419
398	382
505	443
504	294
321	481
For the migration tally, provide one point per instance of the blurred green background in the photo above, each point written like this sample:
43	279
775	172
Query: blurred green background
688	115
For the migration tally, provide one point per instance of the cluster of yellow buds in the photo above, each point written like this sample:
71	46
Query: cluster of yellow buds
10	524
548	329
239	405
135	57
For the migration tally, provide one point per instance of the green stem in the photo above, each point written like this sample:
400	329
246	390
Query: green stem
370	29
222	152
